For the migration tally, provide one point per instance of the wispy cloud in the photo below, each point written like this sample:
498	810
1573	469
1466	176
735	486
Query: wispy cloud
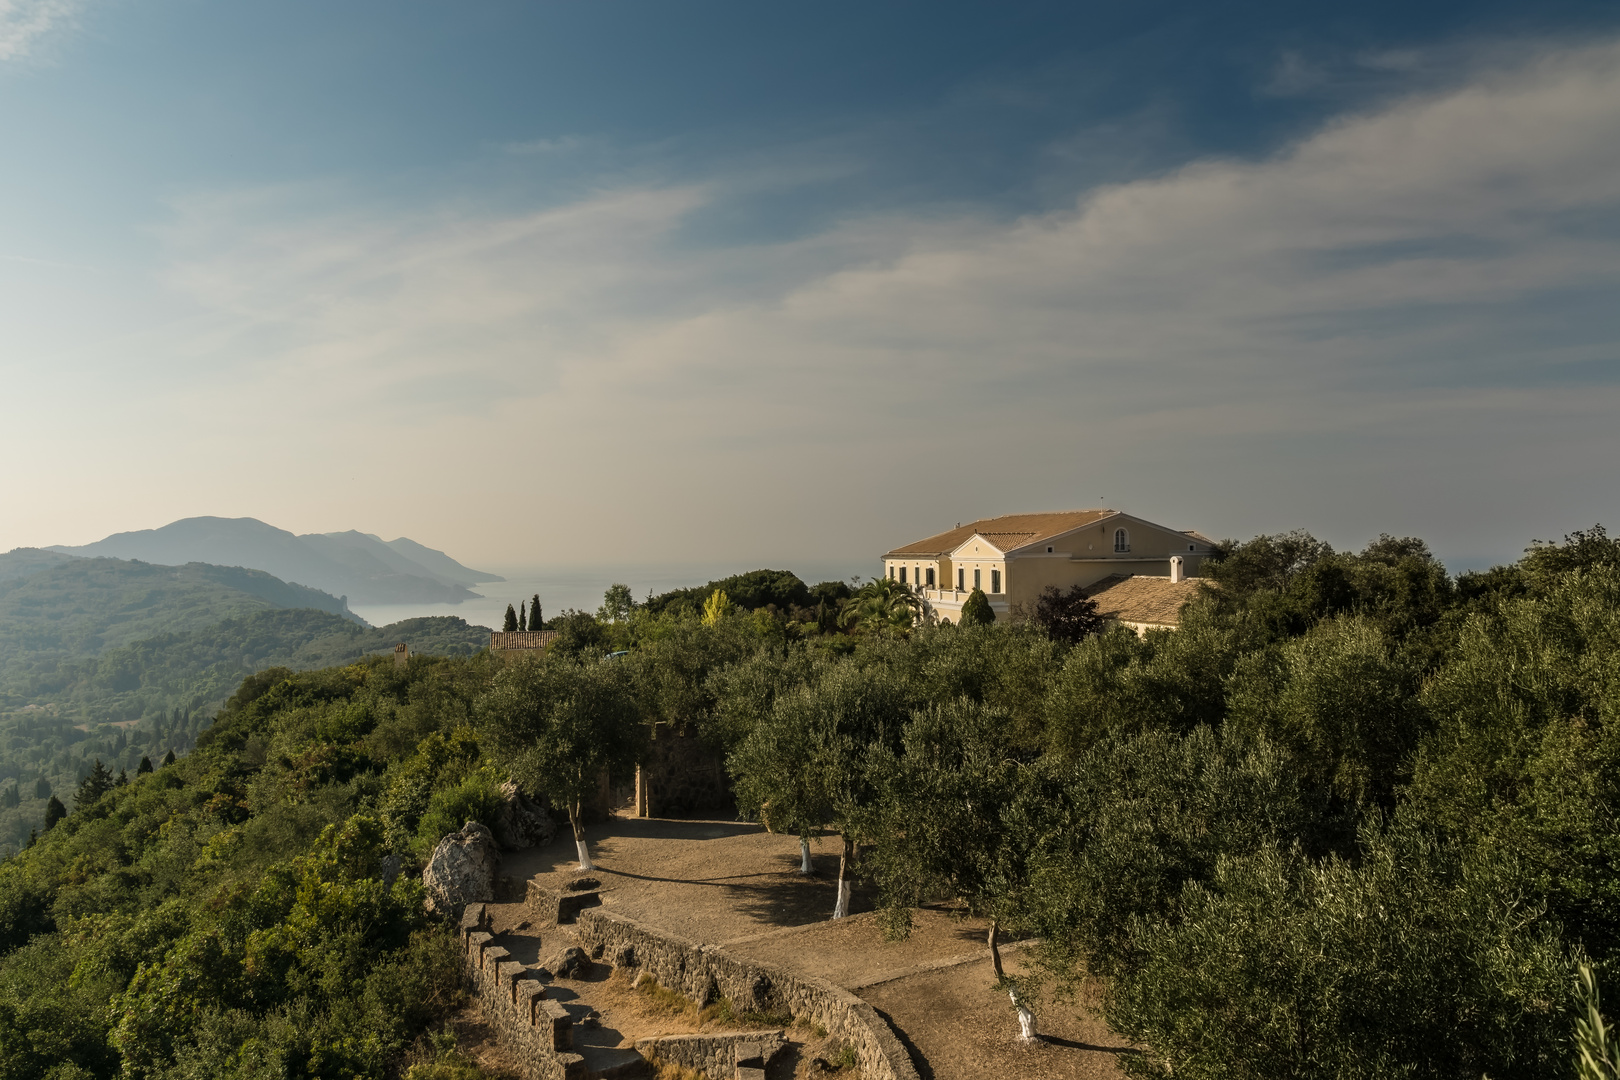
23	23
1409	309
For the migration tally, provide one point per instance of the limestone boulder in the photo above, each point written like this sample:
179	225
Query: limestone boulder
461	871
521	822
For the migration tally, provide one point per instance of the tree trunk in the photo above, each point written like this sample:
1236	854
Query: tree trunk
841	908
1026	1019
804	857
574	812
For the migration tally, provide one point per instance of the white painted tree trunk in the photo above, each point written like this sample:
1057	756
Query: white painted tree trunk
804	857
841	908
1026	1019
584	855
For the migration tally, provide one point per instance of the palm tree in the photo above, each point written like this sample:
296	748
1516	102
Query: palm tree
881	605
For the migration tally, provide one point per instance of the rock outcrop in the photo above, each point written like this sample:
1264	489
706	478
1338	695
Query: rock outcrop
521	823
461	871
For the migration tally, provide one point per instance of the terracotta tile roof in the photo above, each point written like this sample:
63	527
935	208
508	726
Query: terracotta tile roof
1006	532
520	639
1136	598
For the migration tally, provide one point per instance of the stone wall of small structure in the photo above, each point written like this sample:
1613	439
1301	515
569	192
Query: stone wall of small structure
536	1030
706	972
679	774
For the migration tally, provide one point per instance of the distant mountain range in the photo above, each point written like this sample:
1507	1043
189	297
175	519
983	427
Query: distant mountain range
360	566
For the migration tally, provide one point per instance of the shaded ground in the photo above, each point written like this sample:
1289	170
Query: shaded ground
734	884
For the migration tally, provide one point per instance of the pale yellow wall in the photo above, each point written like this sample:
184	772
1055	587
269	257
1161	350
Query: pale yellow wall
1085	556
1082	557
916	570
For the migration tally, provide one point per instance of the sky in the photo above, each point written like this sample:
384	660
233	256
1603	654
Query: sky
578	284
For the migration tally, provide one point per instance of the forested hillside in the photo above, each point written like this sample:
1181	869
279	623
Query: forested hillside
107	660
1355	819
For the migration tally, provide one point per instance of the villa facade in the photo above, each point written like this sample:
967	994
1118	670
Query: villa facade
1013	558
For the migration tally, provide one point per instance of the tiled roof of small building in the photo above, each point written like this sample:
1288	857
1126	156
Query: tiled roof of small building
1006	532
511	640
1136	598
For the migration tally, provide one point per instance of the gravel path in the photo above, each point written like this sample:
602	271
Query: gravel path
732	883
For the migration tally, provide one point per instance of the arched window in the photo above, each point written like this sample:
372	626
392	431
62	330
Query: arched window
1122	540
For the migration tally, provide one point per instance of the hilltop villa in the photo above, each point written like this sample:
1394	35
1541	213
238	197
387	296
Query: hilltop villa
1014	557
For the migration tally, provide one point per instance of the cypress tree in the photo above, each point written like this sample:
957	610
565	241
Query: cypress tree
94	786
33	837
11	798
168	759
144	767
510	626
523	617
976	610
54	812
123	778
42	788
535	622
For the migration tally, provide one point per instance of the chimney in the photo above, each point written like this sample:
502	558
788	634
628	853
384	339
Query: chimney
1175	569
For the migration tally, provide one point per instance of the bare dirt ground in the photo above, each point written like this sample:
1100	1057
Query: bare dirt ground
734	884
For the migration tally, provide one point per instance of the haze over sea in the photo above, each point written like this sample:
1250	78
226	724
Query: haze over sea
562	587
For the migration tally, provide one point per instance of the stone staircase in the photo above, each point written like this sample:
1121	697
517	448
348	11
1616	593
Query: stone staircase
554	1033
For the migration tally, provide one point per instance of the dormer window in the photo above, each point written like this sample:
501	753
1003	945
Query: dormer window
1122	541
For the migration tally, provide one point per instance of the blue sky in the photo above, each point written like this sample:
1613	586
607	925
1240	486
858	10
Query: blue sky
567	284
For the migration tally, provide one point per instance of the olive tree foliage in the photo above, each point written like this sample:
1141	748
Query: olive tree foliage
558	724
1009	668
1420	958
1117	681
1127	824
952	824
1340	701
672	671
1526	751
807	762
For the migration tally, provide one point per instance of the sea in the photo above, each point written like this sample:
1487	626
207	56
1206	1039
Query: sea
581	588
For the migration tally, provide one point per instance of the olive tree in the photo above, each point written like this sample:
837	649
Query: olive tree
955	822
558	724
806	763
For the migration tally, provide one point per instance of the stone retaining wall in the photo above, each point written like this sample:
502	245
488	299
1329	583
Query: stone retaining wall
706	972
678	774
718	1056
535	1029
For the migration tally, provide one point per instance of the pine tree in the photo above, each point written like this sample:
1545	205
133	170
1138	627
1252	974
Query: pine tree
33	837
54	812
12	798
535	621
523	617
93	786
168	759
510	627
144	767
123	778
